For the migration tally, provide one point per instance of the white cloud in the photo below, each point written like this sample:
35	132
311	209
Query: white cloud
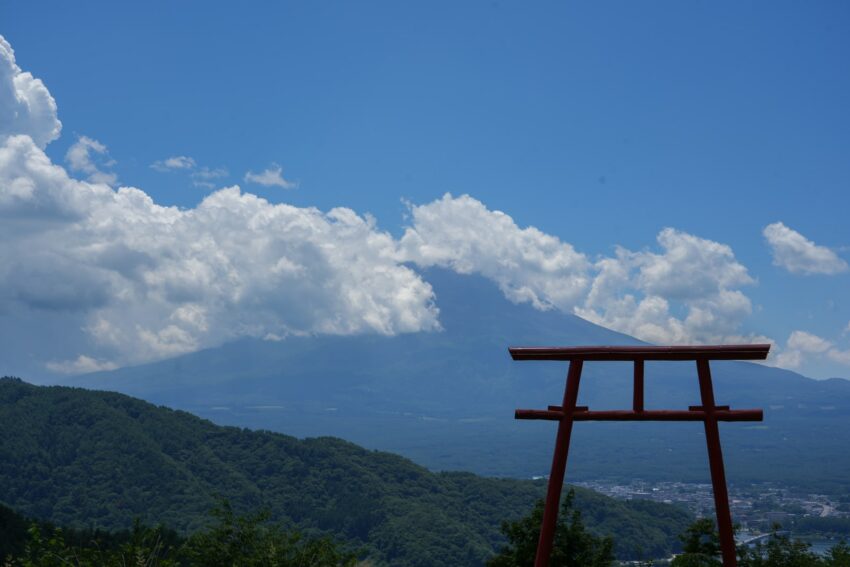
81	365
81	158
154	281
840	356
270	177
789	359
803	346
690	267
807	342
158	281
685	294
203	176
172	163
799	255
529	266
26	106
34	191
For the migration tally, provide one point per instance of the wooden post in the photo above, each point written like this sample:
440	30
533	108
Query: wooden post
559	467
637	403
715	463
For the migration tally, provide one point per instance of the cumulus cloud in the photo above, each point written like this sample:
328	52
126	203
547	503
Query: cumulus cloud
529	266
807	342
802	346
686	293
172	163
159	281
799	255
34	191
81	157
840	356
689	292
270	177
789	359
26	106
154	281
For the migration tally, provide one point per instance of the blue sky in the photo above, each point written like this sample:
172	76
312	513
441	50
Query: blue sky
600	124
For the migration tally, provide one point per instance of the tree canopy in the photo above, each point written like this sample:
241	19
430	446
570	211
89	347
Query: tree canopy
572	545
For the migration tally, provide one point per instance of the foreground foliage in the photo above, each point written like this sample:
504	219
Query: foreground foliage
246	541
701	548
573	544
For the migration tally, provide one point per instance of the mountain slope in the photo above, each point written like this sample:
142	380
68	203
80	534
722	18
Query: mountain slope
83	458
446	399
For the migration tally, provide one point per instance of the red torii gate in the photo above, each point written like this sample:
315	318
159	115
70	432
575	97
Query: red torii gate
709	413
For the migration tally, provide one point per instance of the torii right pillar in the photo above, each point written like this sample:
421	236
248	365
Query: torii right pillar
709	413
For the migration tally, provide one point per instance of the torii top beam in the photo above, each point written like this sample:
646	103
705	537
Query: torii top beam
631	353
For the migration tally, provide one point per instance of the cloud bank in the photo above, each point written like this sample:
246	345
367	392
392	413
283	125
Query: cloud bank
688	292
153	282
158	281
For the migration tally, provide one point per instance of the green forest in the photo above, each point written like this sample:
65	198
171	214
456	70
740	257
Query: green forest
88	460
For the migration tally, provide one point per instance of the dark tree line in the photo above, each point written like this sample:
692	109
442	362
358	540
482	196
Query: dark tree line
231	540
701	548
575	546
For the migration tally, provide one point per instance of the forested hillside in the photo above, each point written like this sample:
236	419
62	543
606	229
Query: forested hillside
85	458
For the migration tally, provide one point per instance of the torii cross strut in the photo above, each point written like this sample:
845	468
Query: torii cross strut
708	413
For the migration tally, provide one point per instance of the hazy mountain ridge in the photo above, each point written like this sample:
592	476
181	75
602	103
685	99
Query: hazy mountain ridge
446	399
